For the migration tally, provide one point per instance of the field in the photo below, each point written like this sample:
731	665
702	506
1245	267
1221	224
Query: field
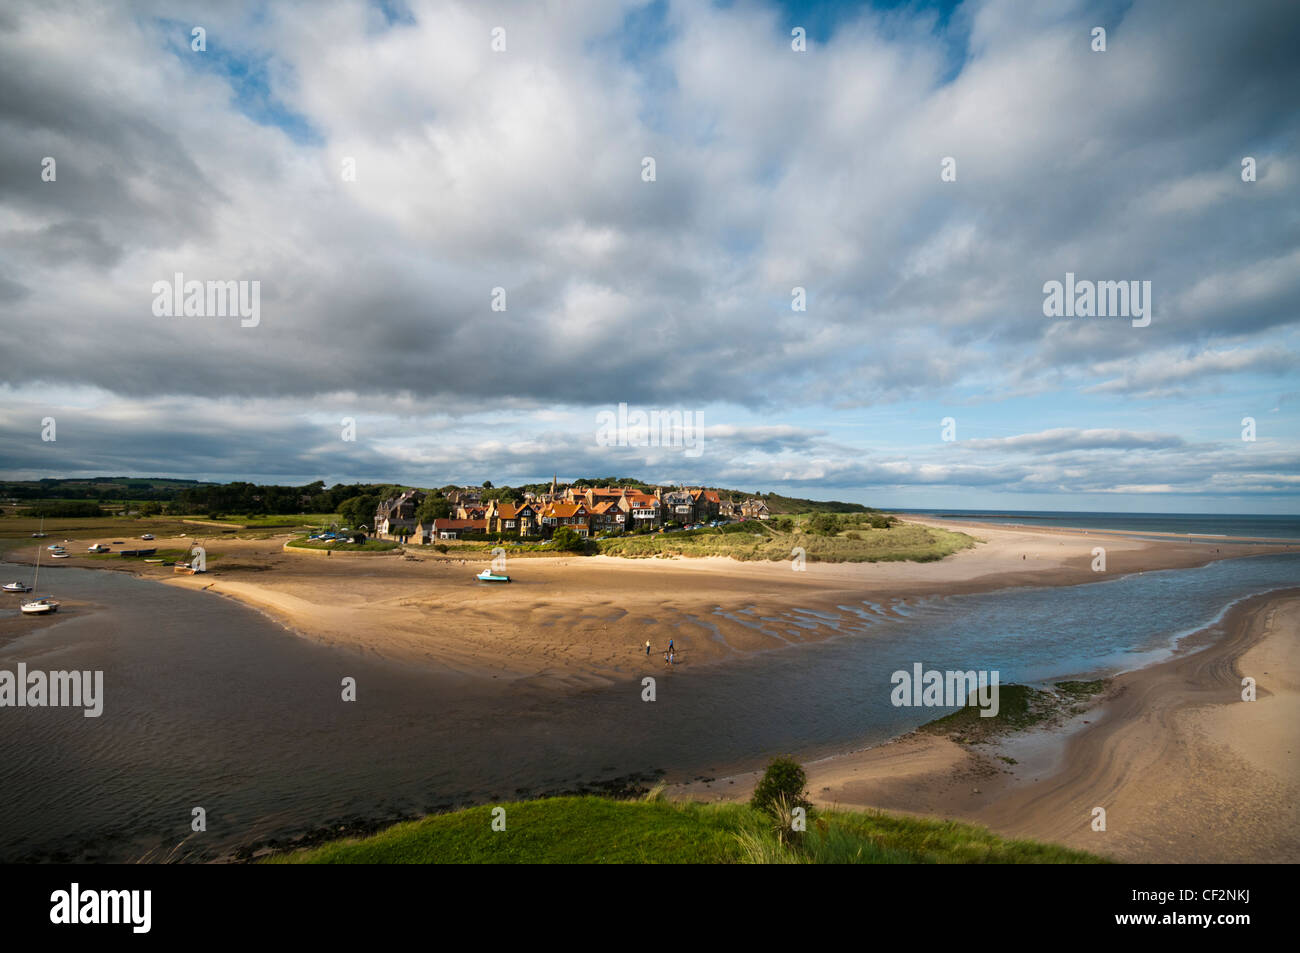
369	546
602	830
18	529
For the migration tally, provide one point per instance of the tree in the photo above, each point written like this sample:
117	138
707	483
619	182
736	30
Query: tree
783	781
568	539
435	506
358	509
487	484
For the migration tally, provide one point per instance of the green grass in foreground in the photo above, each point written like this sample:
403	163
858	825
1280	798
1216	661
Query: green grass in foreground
600	830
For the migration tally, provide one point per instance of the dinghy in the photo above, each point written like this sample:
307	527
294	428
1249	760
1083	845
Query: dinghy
487	575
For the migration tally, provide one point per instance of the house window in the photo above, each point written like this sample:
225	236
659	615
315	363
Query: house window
510	524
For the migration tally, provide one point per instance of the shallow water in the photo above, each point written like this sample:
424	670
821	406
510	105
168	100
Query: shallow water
210	704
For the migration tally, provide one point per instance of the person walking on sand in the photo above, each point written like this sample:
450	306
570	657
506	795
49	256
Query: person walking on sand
647	648
670	646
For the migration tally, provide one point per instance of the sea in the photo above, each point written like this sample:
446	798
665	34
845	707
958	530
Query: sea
1196	526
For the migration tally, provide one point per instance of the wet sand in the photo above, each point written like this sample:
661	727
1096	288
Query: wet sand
583	621
1185	769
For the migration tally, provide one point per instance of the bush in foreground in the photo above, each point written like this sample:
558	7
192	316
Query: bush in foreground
781	788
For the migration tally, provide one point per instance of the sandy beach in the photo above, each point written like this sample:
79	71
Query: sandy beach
584	620
1185	769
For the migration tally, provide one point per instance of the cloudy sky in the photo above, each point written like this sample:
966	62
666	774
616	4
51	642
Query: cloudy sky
387	172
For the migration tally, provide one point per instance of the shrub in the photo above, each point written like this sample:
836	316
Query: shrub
781	788
568	539
824	524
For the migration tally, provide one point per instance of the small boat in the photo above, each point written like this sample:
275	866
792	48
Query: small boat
186	569
147	536
156	559
98	548
487	575
54	547
61	554
44	605
16	587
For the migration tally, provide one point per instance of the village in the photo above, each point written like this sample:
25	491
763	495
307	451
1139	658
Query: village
587	511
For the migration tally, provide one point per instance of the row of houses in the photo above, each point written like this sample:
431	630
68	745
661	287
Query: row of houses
588	511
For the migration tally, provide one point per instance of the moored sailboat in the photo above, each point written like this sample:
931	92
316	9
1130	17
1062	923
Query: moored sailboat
43	605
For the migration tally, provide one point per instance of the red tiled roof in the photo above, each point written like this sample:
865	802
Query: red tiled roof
562	510
440	525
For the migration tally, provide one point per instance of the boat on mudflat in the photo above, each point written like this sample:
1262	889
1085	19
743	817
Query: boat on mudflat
487	575
42	606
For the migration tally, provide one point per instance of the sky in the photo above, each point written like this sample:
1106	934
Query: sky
835	278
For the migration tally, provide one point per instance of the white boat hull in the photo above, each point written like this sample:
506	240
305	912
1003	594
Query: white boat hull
40	608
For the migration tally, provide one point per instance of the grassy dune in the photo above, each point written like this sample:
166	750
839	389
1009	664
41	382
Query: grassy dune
600	830
763	541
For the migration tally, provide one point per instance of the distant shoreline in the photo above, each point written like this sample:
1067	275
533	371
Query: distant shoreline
1009	521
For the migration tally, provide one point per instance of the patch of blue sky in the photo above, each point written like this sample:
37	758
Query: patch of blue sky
248	74
395	12
821	19
639	42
